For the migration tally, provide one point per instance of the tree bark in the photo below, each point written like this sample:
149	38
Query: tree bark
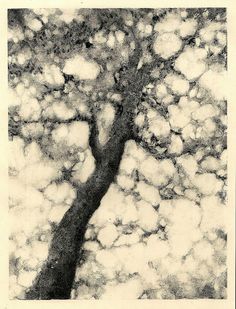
57	275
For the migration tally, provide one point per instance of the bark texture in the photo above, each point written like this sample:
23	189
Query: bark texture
56	277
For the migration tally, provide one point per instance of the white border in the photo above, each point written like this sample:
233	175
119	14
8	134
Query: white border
231	89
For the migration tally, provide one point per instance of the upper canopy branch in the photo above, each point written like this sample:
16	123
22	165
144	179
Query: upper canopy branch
94	141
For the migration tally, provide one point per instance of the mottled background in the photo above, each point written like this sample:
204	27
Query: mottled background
160	231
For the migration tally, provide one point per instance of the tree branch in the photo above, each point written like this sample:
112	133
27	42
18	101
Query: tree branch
56	277
93	140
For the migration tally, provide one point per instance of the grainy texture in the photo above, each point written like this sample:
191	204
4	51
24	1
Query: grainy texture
117	132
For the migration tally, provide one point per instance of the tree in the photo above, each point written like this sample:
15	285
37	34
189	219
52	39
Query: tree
142	63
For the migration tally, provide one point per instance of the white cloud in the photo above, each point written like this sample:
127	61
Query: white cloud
148	193
40	250
159	126
204	112
135	151
33	153
33	130
57	212
178	84
147	215
189	164
183	230
59	110
208	33
52	75
180	115
111	40
176	145
30	110
191	62
129	213
214	214
68	15
120	35
167	44
75	134
203	251
125	182
39	174
168	24
129	239
16	153
156	248
81	68
107	258
188	27
58	193
214	80
108	235
207	183
161	91
34	24
26	278
210	163
158	172
128	164
112	205
131	289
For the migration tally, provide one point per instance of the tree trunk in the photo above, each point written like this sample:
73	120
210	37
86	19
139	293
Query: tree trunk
57	275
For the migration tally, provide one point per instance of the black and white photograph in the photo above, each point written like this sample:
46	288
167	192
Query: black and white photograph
118	153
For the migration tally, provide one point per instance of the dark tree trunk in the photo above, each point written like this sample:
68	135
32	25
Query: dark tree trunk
56	277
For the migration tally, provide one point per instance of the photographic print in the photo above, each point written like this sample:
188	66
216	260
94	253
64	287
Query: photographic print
117	153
